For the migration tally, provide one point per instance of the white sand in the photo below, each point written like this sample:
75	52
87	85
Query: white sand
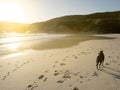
64	68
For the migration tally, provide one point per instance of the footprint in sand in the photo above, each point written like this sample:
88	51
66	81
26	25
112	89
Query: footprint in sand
41	77
82	52
109	56
56	73
107	64
31	87
67	76
45	79
95	74
46	71
56	61
78	72
60	81
14	69
81	76
70	85
8	73
75	74
76	57
81	81
34	85
4	77
53	66
62	64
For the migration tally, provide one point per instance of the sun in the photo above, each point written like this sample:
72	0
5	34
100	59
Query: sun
11	12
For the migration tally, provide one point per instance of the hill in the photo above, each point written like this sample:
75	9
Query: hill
106	22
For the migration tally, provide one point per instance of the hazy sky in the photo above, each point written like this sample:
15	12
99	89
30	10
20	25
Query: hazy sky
41	10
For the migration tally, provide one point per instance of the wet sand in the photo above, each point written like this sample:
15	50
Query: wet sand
61	42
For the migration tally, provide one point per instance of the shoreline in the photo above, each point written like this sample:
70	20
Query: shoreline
54	42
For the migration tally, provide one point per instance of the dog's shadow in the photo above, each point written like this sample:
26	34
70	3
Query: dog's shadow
110	71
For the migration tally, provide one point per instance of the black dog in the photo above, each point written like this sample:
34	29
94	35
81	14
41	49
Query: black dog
100	59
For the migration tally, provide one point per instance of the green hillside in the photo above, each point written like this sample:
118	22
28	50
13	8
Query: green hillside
107	22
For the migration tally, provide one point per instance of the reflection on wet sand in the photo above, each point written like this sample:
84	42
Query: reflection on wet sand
19	44
61	42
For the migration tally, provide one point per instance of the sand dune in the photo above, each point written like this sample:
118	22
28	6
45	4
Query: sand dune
68	68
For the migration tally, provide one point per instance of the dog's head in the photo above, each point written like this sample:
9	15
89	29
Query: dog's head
100	52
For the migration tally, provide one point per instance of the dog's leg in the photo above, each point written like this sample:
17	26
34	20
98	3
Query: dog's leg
102	63
97	65
100	66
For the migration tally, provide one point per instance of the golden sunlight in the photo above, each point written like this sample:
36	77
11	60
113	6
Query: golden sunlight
11	12
12	41
14	46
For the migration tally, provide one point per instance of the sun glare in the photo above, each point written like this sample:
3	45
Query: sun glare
13	46
12	42
11	12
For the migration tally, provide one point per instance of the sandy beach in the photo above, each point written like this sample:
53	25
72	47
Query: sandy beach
66	63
